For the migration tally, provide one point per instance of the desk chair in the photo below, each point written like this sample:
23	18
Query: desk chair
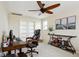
32	42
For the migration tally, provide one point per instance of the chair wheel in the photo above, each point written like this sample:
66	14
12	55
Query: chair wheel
37	52
31	55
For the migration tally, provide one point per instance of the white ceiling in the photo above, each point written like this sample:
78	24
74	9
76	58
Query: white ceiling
23	7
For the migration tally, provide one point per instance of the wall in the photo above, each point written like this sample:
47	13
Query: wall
3	19
51	22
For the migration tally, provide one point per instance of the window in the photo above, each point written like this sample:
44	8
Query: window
30	28
44	24
23	29
26	29
37	25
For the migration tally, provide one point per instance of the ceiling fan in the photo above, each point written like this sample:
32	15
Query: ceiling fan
47	9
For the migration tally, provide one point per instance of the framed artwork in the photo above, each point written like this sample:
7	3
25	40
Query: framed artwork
71	22
58	24
66	23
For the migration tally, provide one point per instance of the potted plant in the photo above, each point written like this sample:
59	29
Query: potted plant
50	29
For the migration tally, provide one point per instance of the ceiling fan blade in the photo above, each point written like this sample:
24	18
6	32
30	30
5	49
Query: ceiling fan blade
49	12
33	10
52	6
40	4
16	14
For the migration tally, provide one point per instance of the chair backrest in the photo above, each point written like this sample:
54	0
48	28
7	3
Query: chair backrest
36	34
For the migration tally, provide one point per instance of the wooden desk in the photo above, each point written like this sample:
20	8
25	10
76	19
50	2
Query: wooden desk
16	45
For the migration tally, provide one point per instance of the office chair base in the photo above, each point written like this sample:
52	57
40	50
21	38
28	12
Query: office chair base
22	54
31	51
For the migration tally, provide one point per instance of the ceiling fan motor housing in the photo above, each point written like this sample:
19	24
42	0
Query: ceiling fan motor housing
43	10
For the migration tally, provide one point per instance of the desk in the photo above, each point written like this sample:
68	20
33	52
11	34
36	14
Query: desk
69	37
16	45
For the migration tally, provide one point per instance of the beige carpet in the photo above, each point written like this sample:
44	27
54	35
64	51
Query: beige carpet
46	50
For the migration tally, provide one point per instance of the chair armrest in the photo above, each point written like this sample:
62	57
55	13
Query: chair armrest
31	43
29	38
34	40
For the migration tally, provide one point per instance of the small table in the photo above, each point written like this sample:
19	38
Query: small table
16	45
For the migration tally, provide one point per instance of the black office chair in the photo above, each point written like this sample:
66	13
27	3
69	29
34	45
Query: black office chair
32	42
